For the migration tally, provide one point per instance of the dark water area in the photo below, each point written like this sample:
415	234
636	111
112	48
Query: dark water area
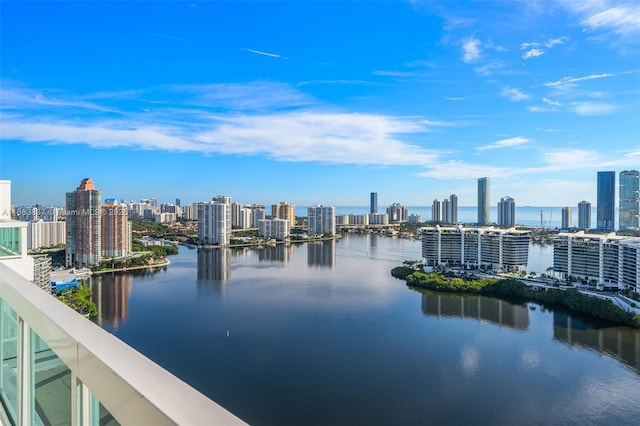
322	334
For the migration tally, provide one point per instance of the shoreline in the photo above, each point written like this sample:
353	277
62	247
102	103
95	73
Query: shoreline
132	268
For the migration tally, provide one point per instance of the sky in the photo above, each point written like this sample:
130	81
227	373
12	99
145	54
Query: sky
318	102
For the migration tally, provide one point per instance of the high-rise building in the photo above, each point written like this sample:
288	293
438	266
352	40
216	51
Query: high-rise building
436	211
178	202
484	199
566	218
507	212
321	220
214	221
584	215
274	228
84	227
284	211
235	214
451	212
45	234
374	203
606	201
397	213
629	200
116	229
259	213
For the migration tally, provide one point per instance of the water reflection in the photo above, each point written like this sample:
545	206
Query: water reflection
322	254
214	264
280	253
477	307
621	343
111	295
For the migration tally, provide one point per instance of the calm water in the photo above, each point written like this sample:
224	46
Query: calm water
322	334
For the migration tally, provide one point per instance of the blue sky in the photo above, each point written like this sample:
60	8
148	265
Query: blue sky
318	102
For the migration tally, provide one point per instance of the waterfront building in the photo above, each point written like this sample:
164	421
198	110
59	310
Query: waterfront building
629	193
84	227
342	219
397	213
274	228
13	236
358	219
245	219
484	200
414	219
116	229
259	213
450	210
42	234
235	214
436	211
606	201
214	221
507	212
373	203
566	218
610	260
285	211
472	247
321	220
378	219
584	215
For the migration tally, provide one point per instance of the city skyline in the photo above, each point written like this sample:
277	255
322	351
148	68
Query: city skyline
412	100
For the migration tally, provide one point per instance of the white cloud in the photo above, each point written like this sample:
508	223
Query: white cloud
504	143
593	108
471	49
258	52
550	102
566	81
495	67
514	95
528	45
533	53
623	19
555	41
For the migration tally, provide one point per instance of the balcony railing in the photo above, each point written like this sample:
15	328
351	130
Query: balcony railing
59	368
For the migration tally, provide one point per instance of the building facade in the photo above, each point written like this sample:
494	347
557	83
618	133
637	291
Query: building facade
274	228
566	218
584	215
373	203
321	220
116	229
378	219
436	211
611	260
397	213
285	211
45	234
629	191
472	247
484	199
507	212
214	221
605	210
84	227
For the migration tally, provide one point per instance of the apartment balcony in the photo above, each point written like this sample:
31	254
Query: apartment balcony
59	368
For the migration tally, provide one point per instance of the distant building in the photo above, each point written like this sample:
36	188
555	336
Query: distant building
214	221
445	211
358	219
374	203
274	228
116	229
566	218
472	247
414	219
436	211
378	219
259	213
246	218
484	199
321	220
606	201
235	214
584	215
285	211
610	260
507	212
45	234
629	191
84	227
397	213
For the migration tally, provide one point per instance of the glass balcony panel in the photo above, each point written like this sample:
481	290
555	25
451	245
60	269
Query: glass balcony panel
10	241
8	352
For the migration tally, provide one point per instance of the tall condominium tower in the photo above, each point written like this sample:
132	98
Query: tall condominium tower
116	229
483	201
629	200
436	211
397	213
284	211
566	218
606	201
84	227
507	212
321	220
451	212
584	215
374	203
214	221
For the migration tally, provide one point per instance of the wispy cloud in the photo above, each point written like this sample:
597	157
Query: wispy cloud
533	53
457	98
533	49
555	41
504	143
494	67
565	81
259	52
471	49
617	17
550	102
354	82
513	94
593	108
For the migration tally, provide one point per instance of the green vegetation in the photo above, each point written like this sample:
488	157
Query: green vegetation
571	298
158	252
79	299
152	229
